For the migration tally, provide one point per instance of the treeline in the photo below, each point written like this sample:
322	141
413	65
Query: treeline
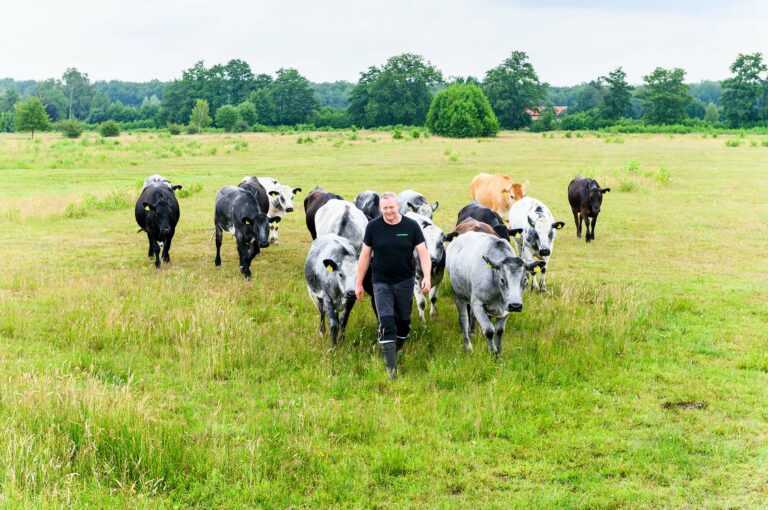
399	92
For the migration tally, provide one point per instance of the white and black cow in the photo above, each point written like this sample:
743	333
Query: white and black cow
280	202
488	281
414	201
538	238
344	219
157	213
435	239
238	212
368	202
479	212
330	271
159	179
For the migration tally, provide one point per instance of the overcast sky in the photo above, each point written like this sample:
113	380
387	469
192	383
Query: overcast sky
568	42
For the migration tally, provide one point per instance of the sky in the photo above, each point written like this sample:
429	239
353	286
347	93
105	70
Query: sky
568	42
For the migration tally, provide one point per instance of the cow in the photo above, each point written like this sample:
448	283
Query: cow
470	225
538	238
330	272
497	192
368	202
435	239
238	212
280	198
344	219
475	210
157	178
314	200
414	201
254	186
157	213
586	198
488	281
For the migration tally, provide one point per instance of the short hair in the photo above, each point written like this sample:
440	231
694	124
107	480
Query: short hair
389	194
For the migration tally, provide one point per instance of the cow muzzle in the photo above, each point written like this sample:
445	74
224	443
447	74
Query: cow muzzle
263	244
544	253
515	307
290	209
350	295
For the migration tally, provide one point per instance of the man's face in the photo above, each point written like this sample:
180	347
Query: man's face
389	209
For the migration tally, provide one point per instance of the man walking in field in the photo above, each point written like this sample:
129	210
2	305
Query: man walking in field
389	241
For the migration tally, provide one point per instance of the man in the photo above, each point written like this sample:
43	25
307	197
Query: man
390	240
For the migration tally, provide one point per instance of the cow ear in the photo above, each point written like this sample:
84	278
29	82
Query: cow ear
500	230
247	221
435	205
531	222
424	224
296	190
514	232
275	219
490	264
176	186
605	190
330	265
450	237
273	193
148	206
411	207
558	225
535	267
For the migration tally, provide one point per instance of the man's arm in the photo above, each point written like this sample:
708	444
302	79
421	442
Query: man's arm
362	268
426	266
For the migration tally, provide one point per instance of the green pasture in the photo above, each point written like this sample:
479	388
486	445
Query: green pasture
640	380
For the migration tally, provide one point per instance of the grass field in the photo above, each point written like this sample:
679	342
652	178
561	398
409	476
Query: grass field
189	387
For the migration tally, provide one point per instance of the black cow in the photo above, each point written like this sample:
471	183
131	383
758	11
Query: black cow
483	214
586	198
253	185
238	212
368	202
157	213
315	200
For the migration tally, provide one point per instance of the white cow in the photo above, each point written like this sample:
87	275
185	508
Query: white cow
538	238
434	238
280	202
343	219
414	201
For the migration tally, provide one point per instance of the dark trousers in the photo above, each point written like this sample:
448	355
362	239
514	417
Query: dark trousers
393	305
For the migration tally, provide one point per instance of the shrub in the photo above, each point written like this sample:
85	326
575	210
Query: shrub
628	186
227	117
732	143
415	133
71	128
397	134
462	111
330	117
109	128
175	129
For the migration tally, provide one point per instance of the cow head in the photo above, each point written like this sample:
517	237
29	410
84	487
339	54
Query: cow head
343	269
421	206
595	197
158	217
509	276
255	231
282	198
518	190
435	242
540	237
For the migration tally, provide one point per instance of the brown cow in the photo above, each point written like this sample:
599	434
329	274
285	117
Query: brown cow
497	192
470	225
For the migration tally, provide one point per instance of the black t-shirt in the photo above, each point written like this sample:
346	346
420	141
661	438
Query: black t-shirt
393	249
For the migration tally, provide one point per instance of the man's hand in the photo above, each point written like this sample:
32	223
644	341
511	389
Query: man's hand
426	284
359	291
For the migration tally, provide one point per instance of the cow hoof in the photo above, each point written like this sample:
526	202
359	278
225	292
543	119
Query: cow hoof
468	347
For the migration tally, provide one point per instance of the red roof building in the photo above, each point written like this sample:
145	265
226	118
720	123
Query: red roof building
537	111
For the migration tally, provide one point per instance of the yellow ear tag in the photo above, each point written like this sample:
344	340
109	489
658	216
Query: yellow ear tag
247	222
329	269
490	266
146	208
536	269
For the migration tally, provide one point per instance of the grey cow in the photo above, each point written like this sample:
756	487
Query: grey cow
414	201
330	271
488	281
435	239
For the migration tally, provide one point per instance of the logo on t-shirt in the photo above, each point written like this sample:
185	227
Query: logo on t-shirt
401	235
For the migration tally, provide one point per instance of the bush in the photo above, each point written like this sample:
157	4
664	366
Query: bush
71	128
327	116
462	111
227	117
175	129
109	128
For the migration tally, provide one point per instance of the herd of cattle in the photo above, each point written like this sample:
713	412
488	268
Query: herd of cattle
489	260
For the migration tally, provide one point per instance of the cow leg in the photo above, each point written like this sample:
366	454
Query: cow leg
485	323
155	250
273	239
151	252
464	313
542	278
594	221
344	317
586	223
433	301
167	249
219	233
472	321
499	331
577	220
421	301
333	319
321	326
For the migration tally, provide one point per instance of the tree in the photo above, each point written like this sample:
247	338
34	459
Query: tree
293	97
77	90
49	91
617	98
711	115
248	113
462	111
199	117
30	115
400	92
227	117
7	101
238	81
665	96
589	96
512	88
266	110
743	93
